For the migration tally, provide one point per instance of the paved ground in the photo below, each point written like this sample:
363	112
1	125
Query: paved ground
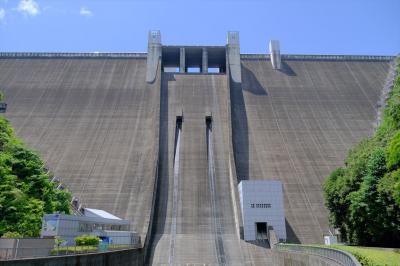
95	123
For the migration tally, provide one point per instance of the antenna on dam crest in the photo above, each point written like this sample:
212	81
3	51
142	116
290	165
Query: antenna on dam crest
275	52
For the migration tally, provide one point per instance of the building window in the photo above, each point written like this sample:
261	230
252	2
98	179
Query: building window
51	225
260	205
85	227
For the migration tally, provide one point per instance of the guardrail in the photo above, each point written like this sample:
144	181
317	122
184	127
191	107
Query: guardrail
341	257
71	55
32	252
321	57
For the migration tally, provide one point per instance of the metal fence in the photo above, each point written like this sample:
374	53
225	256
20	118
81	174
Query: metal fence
340	257
20	253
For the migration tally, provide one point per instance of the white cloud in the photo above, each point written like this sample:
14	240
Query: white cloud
85	12
2	14
28	7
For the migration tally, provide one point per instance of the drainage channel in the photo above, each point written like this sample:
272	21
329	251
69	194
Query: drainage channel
211	175
178	131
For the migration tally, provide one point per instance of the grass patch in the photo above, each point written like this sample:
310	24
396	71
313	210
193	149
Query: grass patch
73	250
120	246
69	250
372	256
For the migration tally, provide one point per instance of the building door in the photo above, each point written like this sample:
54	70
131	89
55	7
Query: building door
261	231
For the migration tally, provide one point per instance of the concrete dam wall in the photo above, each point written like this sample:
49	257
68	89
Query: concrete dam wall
95	123
178	146
297	125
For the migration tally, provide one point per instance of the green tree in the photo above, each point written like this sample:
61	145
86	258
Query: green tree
365	208
363	197
393	152
390	186
26	193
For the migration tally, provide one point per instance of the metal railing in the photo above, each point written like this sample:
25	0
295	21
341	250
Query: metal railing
321	57
70	55
341	257
34	252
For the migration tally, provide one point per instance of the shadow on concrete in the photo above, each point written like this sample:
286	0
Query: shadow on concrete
254	86
239	118
286	69
291	236
259	243
169	77
240	131
161	203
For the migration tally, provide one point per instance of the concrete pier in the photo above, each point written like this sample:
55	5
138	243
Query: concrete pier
233	47
182	60
204	65
153	55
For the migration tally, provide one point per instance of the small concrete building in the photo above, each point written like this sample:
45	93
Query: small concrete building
107	227
262	208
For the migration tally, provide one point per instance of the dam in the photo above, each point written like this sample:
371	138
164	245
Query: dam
163	138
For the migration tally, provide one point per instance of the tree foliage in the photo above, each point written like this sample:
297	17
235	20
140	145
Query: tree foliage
26	193
363	197
393	152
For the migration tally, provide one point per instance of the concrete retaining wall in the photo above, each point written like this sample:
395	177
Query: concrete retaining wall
25	247
131	257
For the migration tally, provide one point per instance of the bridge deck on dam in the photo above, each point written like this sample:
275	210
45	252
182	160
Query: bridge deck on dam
95	123
297	125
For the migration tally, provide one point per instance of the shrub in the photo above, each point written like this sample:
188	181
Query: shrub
87	240
11	235
59	241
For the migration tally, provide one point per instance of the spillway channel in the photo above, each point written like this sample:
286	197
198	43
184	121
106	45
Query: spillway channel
211	176
178	131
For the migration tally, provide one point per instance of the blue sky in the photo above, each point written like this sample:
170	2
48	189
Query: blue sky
302	26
